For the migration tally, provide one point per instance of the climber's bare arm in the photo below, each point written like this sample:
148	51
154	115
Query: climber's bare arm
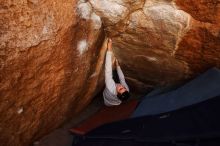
109	46
109	82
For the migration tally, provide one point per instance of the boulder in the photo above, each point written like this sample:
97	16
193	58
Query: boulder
52	54
50	65
162	42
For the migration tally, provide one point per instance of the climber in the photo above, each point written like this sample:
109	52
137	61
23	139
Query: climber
116	90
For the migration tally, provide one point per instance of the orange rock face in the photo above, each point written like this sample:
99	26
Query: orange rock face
202	10
200	47
51	54
50	66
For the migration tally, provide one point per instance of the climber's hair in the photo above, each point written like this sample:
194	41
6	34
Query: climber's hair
124	96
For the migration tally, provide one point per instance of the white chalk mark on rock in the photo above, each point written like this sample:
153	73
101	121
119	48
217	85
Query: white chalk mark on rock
20	110
97	23
84	10
93	75
82	47
149	58
45	30
110	9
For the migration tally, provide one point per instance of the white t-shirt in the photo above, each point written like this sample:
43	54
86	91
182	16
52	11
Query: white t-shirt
110	93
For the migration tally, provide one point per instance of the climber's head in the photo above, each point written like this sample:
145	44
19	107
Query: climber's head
122	92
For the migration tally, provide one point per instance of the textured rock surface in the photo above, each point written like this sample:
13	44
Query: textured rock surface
200	47
202	10
161	42
50	65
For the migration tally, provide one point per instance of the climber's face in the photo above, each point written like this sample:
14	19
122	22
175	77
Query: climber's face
120	88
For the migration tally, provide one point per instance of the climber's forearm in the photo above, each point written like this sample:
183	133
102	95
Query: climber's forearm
120	73
109	82
108	64
109	46
121	76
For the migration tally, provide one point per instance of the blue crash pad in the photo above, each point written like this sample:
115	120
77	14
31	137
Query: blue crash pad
204	87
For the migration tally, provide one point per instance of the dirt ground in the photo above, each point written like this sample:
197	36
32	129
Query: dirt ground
62	136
